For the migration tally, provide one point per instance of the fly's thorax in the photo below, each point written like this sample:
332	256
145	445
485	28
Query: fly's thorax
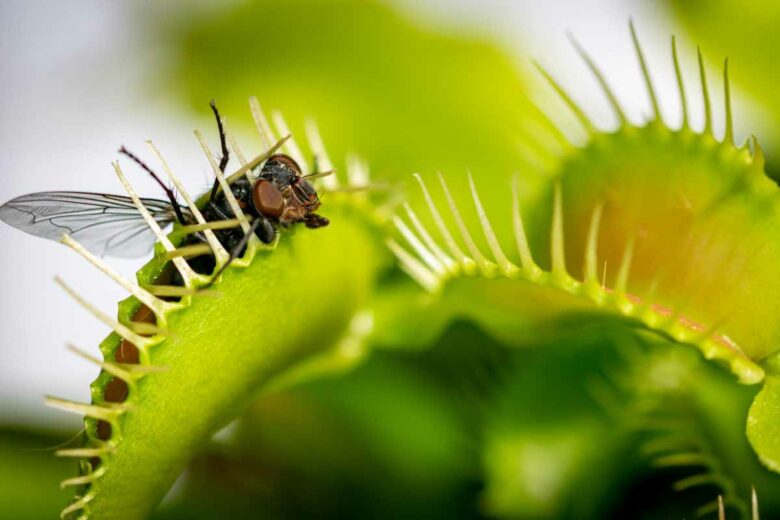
281	170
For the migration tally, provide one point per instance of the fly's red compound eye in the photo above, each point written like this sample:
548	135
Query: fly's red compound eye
267	199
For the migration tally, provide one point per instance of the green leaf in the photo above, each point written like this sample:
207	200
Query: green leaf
291	303
763	424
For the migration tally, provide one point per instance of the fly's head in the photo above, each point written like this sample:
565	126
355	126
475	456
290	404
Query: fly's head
299	196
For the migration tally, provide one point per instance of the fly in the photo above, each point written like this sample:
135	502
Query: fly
279	196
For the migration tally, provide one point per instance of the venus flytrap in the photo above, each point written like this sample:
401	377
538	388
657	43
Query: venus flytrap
184	360
658	392
667	230
670	230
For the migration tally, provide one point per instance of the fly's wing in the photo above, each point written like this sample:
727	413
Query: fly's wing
104	224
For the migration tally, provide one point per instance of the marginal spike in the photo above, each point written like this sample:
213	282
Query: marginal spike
557	250
591	248
645	71
681	459
602	391
625	267
247	167
216	224
531	155
90	410
536	144
291	147
546	134
318	149
263	128
112	368
414	268
706	509
357	171
231	199
139	341
253	240
464	261
89	478
602	81
220	254
157	305
187	274
729	135
532	270
148	329
579	113
508	268
486	266
445	260
667	443
680	83
423	252
721	508
703	479
189	251
754	503
78	505
84	452
705	94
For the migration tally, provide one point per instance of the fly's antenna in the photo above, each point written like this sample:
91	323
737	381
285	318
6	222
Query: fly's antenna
225	153
168	191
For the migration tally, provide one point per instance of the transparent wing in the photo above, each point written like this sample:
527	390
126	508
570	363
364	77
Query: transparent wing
105	224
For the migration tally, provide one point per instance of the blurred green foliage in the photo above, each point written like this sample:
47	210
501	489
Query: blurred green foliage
404	97
30	473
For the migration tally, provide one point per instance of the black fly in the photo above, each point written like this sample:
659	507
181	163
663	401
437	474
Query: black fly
279	195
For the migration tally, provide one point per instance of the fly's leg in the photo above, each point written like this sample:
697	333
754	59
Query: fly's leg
220	213
314	221
265	231
168	191
217	212
225	154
